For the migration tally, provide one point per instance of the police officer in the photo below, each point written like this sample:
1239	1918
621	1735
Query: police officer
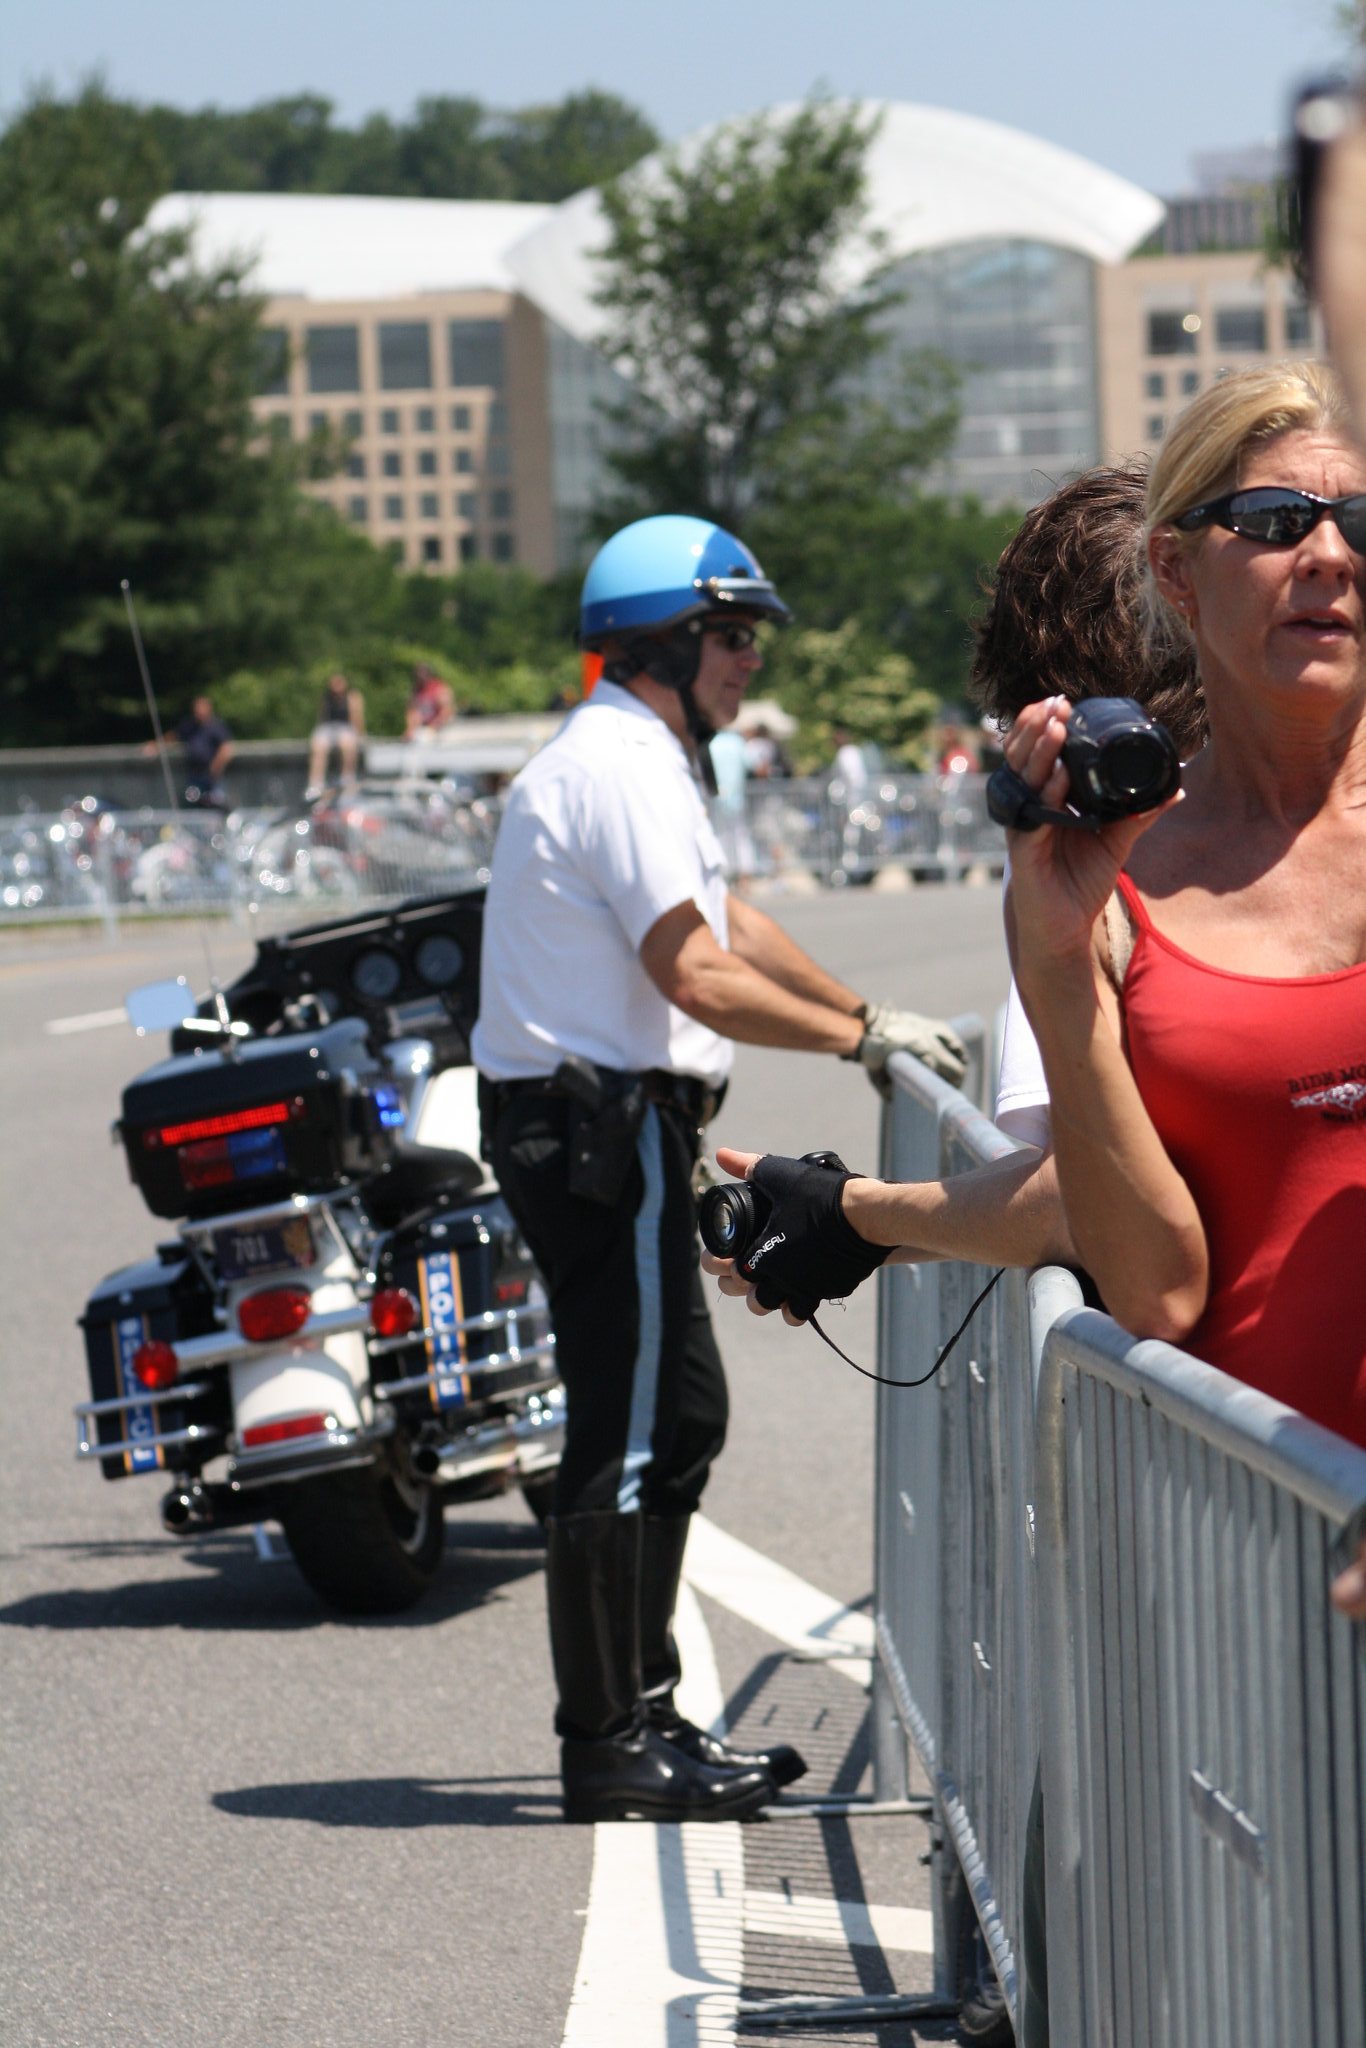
616	968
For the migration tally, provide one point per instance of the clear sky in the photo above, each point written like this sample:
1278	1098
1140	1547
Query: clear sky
1135	84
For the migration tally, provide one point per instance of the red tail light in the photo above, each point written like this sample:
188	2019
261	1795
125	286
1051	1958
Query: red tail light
279	1312
393	1312
259	1118
156	1365
281	1432
511	1293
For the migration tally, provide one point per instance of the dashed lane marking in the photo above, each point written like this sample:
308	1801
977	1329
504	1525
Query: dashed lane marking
908	1930
777	1601
93	1020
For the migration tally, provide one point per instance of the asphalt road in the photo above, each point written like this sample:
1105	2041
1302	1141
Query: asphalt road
228	1819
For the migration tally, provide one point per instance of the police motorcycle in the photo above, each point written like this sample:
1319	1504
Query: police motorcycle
346	1323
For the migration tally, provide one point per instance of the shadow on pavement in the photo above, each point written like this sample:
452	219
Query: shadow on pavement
231	1589
401	1803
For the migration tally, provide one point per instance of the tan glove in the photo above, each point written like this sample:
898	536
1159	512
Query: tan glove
925	1038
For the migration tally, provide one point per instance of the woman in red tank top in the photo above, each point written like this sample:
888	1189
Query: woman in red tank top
1209	1104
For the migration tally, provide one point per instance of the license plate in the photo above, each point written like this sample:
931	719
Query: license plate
266	1248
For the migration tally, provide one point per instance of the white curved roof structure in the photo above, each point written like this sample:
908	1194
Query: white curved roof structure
934	178
335	246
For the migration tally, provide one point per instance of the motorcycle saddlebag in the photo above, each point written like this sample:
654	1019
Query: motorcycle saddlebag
164	1298
457	1264
208	1132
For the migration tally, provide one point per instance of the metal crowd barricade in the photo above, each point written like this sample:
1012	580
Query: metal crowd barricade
1112	1553
1205	1796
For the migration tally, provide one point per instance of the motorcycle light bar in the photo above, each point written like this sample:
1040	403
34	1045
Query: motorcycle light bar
259	1118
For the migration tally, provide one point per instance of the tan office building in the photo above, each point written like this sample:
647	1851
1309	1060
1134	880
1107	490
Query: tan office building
469	423
1168	325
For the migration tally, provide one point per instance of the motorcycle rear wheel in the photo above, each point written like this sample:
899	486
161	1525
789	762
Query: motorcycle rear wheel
368	1542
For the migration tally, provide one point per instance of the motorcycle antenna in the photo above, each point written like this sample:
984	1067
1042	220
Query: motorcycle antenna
220	1003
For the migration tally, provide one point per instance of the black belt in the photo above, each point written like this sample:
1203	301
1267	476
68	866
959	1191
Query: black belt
699	1100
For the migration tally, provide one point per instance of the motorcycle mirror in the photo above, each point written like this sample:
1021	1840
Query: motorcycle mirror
159	1005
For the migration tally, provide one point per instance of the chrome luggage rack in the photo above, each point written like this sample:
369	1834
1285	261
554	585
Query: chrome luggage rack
517	1355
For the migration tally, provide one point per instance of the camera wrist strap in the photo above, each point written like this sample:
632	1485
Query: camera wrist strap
882	1378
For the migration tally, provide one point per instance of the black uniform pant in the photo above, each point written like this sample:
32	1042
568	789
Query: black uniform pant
646	1403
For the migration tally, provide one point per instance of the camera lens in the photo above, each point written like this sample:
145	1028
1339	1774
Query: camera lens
1134	768
726	1220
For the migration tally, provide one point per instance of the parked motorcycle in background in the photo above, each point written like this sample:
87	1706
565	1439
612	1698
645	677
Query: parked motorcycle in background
346	1322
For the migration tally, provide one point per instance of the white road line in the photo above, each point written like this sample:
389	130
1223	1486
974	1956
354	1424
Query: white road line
909	1930
777	1601
94	1020
663	1943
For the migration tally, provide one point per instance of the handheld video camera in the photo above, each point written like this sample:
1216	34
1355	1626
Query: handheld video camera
1119	762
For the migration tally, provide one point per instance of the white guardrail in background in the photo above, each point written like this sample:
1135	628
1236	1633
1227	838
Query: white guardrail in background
383	841
1110	1552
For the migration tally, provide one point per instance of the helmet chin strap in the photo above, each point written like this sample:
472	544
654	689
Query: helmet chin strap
673	660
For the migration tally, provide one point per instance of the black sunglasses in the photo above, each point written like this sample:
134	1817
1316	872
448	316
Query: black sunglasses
1279	516
735	638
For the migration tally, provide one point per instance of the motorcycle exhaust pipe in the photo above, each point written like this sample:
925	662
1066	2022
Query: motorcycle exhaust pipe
177	1511
426	1460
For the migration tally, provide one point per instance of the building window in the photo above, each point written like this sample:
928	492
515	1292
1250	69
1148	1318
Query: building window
1155	424
469	548
500	459
1190	383
467	505
1155	384
393	464
388	420
1172	334
476	349
358	509
424	419
405	355
502	547
1241	329
498	417
426	462
464	462
500	504
272	363
317	423
1297	332
279	428
431	548
460	418
393	508
355	465
333	358
353	423
395	550
429	505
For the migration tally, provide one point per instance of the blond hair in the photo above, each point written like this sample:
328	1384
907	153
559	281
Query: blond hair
1203	457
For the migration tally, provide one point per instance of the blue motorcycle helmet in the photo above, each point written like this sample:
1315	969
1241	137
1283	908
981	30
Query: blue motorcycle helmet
650	589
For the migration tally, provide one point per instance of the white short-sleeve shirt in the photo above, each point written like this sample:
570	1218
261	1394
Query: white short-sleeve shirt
1022	1105
603	832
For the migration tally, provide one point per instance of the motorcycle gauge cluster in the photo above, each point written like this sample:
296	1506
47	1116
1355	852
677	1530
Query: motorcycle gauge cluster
439	961
375	974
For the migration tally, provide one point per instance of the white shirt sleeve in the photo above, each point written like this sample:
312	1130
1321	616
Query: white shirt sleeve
643	849
1021	1086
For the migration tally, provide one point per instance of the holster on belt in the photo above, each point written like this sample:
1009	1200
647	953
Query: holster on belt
606	1111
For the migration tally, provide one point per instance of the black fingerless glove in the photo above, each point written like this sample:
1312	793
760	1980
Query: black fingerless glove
808	1251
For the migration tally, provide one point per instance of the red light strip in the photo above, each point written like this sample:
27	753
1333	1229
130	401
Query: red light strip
224	1126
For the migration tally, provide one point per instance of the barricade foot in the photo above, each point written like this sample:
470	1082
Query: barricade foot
771	2015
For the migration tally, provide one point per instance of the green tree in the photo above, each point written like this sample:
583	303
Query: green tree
766	399
852	681
728	313
128	447
451	147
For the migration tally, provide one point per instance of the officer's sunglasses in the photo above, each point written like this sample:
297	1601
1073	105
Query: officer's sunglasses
1280	517
735	638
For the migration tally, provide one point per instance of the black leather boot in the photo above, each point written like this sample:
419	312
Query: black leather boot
663	1541
613	1764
